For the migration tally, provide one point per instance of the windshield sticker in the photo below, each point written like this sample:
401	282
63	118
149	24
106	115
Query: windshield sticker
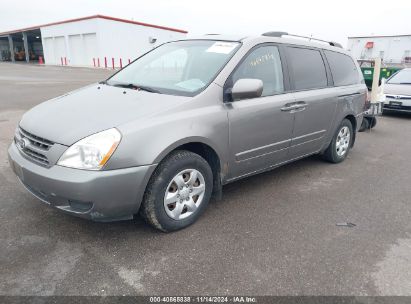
262	59
222	47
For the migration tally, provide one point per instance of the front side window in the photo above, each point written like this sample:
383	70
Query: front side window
402	77
177	68
263	63
307	67
343	68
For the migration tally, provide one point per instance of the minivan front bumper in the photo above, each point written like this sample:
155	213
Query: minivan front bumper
98	195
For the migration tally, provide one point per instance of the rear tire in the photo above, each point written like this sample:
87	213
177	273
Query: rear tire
341	143
373	122
365	125
178	192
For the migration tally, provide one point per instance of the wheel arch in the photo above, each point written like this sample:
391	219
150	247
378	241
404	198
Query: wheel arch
353	121
351	117
205	149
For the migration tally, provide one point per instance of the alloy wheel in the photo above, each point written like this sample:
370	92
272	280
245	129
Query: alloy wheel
342	143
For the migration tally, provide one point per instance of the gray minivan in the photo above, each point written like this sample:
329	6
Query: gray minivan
164	134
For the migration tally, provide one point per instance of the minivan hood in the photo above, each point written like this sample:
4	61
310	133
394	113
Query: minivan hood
397	89
71	117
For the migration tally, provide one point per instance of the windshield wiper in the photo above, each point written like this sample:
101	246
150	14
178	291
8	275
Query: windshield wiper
147	89
405	82
136	87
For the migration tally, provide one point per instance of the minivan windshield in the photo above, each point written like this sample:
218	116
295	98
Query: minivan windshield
177	68
402	77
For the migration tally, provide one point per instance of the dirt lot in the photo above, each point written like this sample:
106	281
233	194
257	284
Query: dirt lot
272	234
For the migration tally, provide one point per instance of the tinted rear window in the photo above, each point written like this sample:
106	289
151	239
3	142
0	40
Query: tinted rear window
307	67
343	68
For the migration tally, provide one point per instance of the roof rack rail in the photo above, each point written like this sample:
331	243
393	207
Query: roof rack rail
280	34
275	34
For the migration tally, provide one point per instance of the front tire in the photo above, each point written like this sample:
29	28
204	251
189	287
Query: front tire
341	143
178	192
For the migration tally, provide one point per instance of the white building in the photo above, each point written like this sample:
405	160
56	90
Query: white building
392	49
90	41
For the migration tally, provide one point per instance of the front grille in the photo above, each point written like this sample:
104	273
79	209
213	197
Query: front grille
36	141
33	146
36	156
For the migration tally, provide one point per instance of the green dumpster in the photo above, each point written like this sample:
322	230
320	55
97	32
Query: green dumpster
369	73
367	68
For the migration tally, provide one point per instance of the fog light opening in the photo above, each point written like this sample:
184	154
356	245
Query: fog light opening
80	206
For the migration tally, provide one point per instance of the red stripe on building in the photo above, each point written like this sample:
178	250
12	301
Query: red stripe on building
92	17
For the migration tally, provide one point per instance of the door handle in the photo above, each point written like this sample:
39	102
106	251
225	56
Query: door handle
286	108
299	105
289	106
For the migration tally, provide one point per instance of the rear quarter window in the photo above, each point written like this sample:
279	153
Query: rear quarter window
343	69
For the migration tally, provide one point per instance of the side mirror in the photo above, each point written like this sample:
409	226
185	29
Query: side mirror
246	89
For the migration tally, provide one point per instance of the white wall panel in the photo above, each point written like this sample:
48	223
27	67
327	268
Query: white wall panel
48	49
128	41
100	38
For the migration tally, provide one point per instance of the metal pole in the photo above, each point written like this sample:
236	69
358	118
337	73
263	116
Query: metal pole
26	47
11	48
375	80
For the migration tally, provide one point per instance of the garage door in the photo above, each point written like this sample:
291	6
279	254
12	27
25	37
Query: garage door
60	50
76	50
90	48
83	48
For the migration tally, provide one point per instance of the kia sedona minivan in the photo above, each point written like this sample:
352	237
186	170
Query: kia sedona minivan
164	134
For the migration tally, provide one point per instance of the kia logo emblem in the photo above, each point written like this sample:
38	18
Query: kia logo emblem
23	143
397	97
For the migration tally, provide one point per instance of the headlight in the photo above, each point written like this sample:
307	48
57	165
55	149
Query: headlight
92	152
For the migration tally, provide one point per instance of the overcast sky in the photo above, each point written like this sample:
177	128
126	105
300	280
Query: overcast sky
330	20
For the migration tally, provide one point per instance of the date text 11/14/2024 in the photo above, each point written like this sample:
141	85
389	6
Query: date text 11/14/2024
204	299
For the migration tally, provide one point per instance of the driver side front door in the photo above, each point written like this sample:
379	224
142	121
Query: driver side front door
260	129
